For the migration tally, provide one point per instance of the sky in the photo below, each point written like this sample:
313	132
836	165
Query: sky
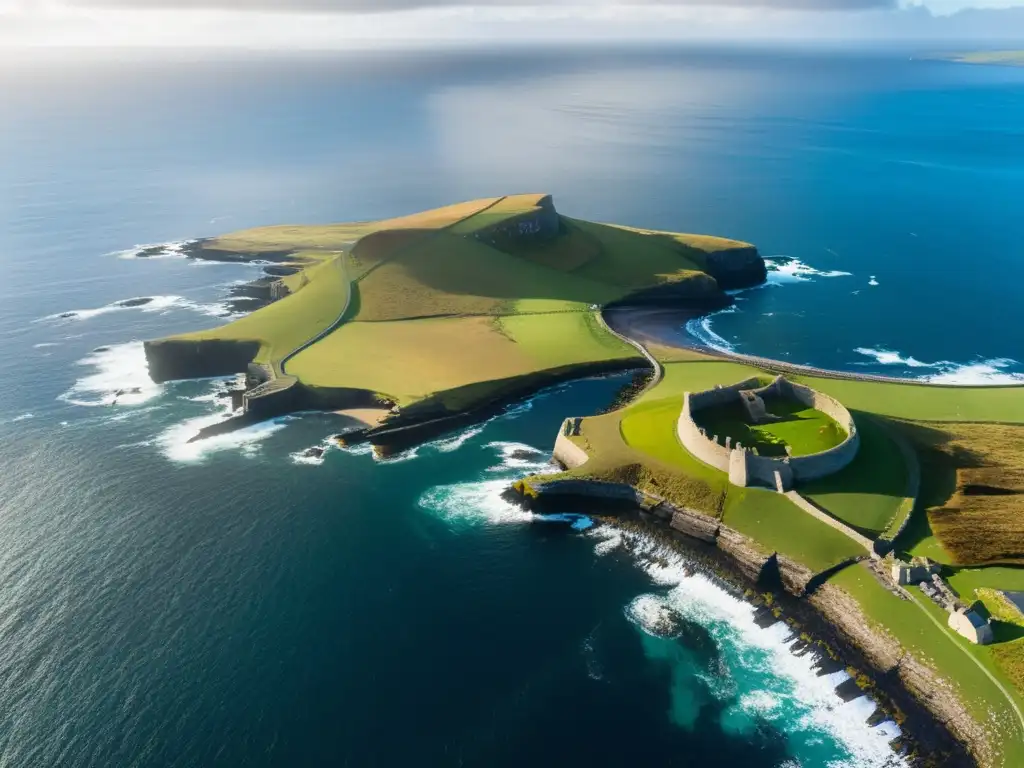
326	24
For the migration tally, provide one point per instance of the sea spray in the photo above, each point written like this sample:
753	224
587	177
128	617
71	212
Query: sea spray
758	677
120	376
977	373
782	270
150	304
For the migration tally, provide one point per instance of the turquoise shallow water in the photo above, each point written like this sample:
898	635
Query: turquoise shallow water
225	603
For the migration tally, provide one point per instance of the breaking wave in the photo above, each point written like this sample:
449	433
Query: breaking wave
120	376
700	329
172	250
482	501
977	373
754	676
786	270
174	442
782	270
145	304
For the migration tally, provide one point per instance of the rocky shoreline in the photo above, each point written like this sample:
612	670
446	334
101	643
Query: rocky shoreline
824	620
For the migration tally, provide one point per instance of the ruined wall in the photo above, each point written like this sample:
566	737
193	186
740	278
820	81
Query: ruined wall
701	445
567	453
746	468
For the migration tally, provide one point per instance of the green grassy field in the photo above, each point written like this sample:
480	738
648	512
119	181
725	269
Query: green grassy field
284	325
804	430
777	525
431	308
869	492
948	654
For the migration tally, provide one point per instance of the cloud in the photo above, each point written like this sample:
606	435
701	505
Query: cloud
381	6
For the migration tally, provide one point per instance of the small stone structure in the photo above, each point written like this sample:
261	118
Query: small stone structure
963	619
744	466
753	404
917	570
971	625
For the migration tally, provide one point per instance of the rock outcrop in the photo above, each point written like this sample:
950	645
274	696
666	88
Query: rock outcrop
173	359
735	268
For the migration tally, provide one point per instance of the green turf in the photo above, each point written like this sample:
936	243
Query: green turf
869	492
651	429
285	325
921	402
630	257
966	580
805	430
697	376
775	523
915	632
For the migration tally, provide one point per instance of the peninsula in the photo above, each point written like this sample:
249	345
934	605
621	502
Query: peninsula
427	318
892	510
1001	58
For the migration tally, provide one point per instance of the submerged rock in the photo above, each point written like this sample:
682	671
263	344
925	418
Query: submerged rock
139	302
525	454
315	452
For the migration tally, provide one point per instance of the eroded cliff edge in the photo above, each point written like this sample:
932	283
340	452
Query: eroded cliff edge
938	729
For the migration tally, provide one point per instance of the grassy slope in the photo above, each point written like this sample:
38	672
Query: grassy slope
771	519
868	493
283	325
916	633
410	360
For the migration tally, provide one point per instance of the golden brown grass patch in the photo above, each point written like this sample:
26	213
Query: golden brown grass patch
974	488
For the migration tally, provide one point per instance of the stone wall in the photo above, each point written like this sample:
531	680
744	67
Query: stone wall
567	453
706	447
743	466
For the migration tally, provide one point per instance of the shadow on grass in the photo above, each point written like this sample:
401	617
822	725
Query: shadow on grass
878	467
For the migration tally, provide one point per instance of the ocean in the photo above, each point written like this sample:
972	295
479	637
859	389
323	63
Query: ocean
233	602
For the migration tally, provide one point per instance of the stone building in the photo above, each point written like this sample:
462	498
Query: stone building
970	624
917	570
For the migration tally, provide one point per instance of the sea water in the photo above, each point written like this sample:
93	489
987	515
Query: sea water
234	601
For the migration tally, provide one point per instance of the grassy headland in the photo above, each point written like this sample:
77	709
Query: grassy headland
951	489
439	312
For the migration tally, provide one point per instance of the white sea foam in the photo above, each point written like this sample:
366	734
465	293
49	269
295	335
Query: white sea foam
301	457
450	444
873	281
19	418
780	686
888	357
46	344
171	250
154	304
700	329
786	270
977	373
482	501
174	441
519	457
120	375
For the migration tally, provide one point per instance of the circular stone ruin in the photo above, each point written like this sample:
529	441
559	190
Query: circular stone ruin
792	433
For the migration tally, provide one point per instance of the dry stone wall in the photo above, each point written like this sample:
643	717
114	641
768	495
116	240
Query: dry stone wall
745	467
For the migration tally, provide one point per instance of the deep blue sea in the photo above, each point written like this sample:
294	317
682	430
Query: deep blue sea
230	603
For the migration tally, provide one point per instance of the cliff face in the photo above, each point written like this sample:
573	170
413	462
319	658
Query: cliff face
736	268
173	359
